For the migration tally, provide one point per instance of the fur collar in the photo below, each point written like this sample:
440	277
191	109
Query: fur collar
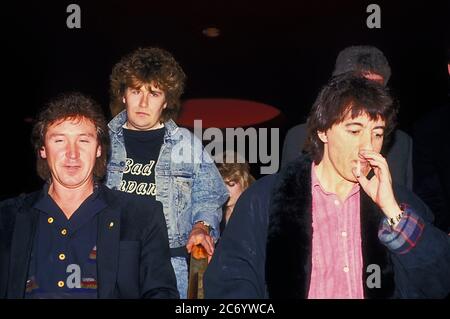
289	242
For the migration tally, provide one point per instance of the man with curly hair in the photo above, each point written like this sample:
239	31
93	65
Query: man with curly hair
146	160
49	239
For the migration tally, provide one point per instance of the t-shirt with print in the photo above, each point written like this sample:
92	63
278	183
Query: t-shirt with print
142	148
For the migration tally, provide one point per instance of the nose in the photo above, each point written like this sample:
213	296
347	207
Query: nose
72	151
366	142
144	100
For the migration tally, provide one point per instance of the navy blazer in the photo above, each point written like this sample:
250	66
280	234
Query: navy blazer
133	256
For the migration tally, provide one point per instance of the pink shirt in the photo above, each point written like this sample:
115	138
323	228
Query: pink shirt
336	245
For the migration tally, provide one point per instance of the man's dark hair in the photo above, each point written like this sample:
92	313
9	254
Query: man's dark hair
145	66
342	94
362	58
70	106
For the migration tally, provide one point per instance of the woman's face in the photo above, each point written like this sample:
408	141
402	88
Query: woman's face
235	189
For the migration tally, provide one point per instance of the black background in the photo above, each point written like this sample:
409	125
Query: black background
278	52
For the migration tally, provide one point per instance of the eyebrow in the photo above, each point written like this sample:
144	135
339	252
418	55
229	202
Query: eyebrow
354	123
62	134
149	89
155	91
361	125
87	134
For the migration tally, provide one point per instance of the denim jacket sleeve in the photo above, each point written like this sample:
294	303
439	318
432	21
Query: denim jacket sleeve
208	193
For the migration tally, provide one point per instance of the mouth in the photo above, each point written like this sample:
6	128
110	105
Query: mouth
142	114
72	168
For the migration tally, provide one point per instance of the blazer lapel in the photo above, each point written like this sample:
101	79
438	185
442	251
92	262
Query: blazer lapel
108	252
21	246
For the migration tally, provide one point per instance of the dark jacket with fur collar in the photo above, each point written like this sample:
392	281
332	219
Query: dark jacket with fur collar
265	250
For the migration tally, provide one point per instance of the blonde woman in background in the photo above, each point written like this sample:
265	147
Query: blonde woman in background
237	179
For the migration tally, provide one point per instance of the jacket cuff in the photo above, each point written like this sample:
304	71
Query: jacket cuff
405	235
211	221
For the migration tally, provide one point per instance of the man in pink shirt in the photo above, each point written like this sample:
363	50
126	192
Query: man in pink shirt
332	224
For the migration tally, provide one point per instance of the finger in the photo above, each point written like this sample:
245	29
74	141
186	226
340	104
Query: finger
374	157
204	240
371	154
380	169
361	178
209	249
208	244
381	163
192	241
189	246
213	247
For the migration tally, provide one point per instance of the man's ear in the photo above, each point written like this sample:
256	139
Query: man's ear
99	151
323	136
42	152
165	105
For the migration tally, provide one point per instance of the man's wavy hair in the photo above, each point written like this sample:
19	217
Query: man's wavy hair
345	93
70	106
147	66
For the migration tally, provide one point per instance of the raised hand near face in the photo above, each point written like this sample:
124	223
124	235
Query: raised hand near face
379	187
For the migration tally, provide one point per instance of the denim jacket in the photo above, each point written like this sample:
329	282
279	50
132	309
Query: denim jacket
188	183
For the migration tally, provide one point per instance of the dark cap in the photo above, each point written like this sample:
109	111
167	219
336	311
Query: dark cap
362	58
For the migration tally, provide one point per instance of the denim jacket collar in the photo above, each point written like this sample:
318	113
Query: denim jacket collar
115	125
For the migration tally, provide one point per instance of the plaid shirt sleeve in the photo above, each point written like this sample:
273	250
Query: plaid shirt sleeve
405	235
